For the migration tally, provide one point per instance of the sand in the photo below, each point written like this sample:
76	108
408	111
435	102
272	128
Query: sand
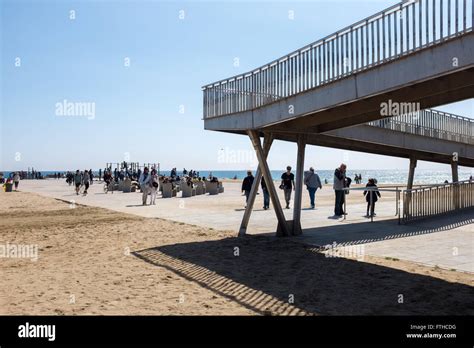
96	261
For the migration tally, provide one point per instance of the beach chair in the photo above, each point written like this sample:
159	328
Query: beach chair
127	185
188	191
200	188
161	184
212	187
168	190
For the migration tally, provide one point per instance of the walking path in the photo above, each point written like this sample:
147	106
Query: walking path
446	242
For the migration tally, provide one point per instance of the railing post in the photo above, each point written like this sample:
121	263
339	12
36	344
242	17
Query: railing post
454	171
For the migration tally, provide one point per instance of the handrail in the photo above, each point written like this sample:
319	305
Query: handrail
431	123
399	30
427	201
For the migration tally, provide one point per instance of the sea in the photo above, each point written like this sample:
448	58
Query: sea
383	176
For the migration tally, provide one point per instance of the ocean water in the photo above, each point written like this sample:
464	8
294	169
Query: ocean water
383	176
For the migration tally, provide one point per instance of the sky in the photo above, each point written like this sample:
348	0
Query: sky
141	65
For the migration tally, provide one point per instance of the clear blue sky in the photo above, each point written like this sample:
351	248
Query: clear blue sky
138	107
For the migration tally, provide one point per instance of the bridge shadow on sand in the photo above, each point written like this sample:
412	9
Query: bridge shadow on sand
270	272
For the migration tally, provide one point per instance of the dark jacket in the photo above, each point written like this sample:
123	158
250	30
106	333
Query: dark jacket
264	184
374	194
247	183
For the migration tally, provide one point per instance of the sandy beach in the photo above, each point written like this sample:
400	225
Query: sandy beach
97	261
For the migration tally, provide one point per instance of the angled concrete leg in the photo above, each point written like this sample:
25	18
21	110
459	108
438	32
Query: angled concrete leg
263	165
267	143
296	230
454	171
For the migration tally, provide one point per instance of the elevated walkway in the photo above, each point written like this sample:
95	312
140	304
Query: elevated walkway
417	54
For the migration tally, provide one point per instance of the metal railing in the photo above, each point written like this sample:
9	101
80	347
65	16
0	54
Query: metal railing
437	199
431	123
397	31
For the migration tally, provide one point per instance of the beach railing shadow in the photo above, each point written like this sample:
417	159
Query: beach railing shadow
279	276
369	232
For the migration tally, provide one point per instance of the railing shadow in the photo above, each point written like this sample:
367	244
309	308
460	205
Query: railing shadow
369	232
274	276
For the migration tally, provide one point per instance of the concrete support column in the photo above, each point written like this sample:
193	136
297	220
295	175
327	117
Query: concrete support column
411	177
455	174
296	230
267	143
283	229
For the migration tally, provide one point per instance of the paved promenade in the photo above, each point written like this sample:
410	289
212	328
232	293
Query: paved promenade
446	242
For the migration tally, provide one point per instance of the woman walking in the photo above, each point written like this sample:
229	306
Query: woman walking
153	186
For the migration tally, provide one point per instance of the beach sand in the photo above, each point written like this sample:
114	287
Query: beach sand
96	261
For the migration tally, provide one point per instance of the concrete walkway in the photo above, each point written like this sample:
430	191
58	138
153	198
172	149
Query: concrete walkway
446	242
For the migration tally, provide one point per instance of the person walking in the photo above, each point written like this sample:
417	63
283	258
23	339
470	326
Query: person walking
266	194
371	196
288	184
338	186
16	180
77	181
312	182
144	184
153	186
247	185
85	181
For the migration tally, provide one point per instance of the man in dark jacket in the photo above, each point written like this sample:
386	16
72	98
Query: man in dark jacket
247	185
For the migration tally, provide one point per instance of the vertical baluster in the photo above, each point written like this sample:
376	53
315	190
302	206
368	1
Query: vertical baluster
352	50
449	18
434	20
356	49
456	17
413	27
290	76
407	27
331	59
395	31
346	56
293	75
420	23
366	26
427	22
337	56
311	68
372	48
319	64
389	35
324	61
464	15
383	37
441	20
400	20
